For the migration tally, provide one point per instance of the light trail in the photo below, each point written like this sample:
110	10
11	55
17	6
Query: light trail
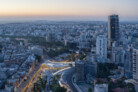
43	66
30	82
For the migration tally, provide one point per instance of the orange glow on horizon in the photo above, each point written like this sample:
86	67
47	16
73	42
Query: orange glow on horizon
68	8
52	12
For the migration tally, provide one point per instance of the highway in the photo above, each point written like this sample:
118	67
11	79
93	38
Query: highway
25	83
67	78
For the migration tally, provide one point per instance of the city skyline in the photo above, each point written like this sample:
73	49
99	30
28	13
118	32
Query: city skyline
49	54
80	10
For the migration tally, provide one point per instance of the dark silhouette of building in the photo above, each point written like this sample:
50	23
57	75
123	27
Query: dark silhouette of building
113	29
84	68
80	72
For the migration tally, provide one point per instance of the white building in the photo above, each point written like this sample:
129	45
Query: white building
101	88
101	46
135	63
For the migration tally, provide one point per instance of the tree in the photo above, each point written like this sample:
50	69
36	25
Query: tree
82	56
90	90
36	87
131	87
104	69
60	89
43	83
38	57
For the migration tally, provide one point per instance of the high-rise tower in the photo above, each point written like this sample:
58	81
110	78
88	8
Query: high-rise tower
113	29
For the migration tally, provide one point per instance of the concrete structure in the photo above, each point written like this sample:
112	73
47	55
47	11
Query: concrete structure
83	42
101	88
135	63
128	63
3	75
118	55
91	68
51	37
91	57
84	68
9	88
113	29
79	69
91	65
36	50
101	46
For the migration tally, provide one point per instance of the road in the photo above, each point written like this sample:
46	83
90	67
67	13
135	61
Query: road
49	63
61	71
67	77
25	83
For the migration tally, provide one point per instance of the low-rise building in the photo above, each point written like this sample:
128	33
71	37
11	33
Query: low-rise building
101	88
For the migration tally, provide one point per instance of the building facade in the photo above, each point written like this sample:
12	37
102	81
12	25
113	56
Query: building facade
79	69
135	63
128	63
84	68
113	29
83	42
101	46
101	88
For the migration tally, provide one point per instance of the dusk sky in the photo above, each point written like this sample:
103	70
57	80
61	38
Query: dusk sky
67	9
